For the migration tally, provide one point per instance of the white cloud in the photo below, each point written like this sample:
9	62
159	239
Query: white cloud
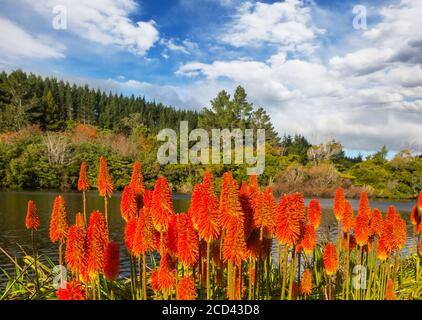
106	22
16	43
286	24
368	97
186	46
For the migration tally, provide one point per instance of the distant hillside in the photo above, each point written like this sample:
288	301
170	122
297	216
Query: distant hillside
50	103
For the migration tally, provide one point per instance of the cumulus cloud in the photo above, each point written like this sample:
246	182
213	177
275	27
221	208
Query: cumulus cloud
285	24
106	22
186	46
16	43
367	97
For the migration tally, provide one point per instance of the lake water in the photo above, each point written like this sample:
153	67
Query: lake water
13	233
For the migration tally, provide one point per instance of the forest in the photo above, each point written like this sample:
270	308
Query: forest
48	127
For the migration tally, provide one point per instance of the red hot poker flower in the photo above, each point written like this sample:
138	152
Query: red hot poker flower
105	184
309	239
268	212
171	236
128	204
32	218
76	249
58	224
291	219
143	240
234	246
339	204
73	291
362	228
112	261
130	230
348	217
330	259
83	182
208	210
247	209
399	233
97	239
162	207
314	213
306	284
187	241
230	207
376	223
79	220
137	180
186	289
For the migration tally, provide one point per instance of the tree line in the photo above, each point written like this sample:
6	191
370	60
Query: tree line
53	104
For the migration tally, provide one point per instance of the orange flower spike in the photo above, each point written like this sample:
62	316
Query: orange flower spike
291	219
234	246
58	224
382	249
161	206
364	207
339	204
306	283
112	261
399	233
348	217
195	203
186	289
330	259
230	207
130	229
97	239
208	211
362	228
208	181
376	223
420	248
171	236
314	213
187	241
256	199
76	249
128	204
268	211
105	184
309	239
79	220
224	215
144	237
420	203
73	291
389	292
154	280
147	198
391	214
166	273
247	209
137	180
32	217
281	218
83	182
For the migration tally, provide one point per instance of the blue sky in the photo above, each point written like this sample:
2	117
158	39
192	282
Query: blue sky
302	60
